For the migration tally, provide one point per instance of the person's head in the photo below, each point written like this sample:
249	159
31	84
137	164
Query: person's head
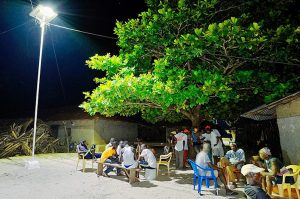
143	146
114	145
196	129
264	153
125	143
112	140
206	147
82	142
208	129
186	131
233	146
252	174
121	143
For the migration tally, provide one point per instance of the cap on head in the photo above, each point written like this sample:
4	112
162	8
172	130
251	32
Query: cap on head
232	144
250	168
173	133
207	127
265	151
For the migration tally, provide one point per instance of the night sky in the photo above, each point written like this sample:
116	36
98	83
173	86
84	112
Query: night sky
20	50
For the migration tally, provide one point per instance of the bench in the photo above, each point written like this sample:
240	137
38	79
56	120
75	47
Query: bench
131	173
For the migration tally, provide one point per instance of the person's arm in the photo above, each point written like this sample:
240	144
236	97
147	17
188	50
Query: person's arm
262	195
242	159
274	169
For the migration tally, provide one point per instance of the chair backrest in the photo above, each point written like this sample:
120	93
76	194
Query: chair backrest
196	168
295	168
167	157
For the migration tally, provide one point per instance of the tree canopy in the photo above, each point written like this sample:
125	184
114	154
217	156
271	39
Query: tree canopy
192	59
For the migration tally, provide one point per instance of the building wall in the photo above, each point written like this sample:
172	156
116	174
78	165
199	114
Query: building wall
80	129
106	129
288	120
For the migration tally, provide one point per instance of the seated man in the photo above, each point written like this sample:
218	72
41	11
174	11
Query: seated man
233	162
275	170
147	154
127	157
110	156
82	148
203	161
253	188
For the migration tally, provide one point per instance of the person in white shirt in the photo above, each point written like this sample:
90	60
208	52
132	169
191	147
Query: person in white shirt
214	137
127	157
180	139
204	162
147	154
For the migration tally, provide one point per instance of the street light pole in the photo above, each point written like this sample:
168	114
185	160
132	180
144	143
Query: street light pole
38	86
44	15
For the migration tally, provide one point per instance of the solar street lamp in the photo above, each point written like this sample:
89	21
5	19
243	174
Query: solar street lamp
44	15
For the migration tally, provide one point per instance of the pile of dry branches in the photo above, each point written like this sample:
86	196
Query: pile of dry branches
17	140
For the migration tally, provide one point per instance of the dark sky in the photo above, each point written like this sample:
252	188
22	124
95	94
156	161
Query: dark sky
20	50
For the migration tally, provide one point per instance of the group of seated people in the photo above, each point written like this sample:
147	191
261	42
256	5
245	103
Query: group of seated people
122	153
260	174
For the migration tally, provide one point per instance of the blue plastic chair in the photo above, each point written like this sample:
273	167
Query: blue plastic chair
201	178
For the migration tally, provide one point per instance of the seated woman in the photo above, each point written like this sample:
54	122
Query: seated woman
275	170
82	148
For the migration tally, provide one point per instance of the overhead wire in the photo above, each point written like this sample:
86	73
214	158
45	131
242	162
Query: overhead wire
18	26
57	66
85	32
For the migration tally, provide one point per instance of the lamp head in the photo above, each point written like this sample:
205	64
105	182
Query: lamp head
43	14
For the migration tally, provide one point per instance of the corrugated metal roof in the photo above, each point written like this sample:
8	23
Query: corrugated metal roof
268	111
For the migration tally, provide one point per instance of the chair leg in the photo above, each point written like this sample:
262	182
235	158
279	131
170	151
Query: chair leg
77	164
280	190
157	169
199	184
195	179
168	169
83	165
207	182
297	191
289	191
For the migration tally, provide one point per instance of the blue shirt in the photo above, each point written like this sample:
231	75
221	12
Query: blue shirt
236	156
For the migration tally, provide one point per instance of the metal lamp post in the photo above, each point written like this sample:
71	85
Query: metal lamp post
44	15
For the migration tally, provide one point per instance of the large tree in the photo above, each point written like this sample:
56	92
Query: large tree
187	59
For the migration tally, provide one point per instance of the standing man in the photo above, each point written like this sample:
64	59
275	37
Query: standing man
214	137
186	147
196	139
180	139
253	188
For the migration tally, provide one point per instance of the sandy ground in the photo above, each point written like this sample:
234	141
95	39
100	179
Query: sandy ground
57	178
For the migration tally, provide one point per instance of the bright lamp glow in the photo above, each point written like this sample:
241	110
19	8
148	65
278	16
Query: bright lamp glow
43	14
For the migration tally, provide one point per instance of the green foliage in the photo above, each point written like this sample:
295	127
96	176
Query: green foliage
182	59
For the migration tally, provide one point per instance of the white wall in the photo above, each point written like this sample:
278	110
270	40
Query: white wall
107	129
289	132
288	120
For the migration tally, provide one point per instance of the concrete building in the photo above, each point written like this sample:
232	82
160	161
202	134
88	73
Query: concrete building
287	113
72	125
